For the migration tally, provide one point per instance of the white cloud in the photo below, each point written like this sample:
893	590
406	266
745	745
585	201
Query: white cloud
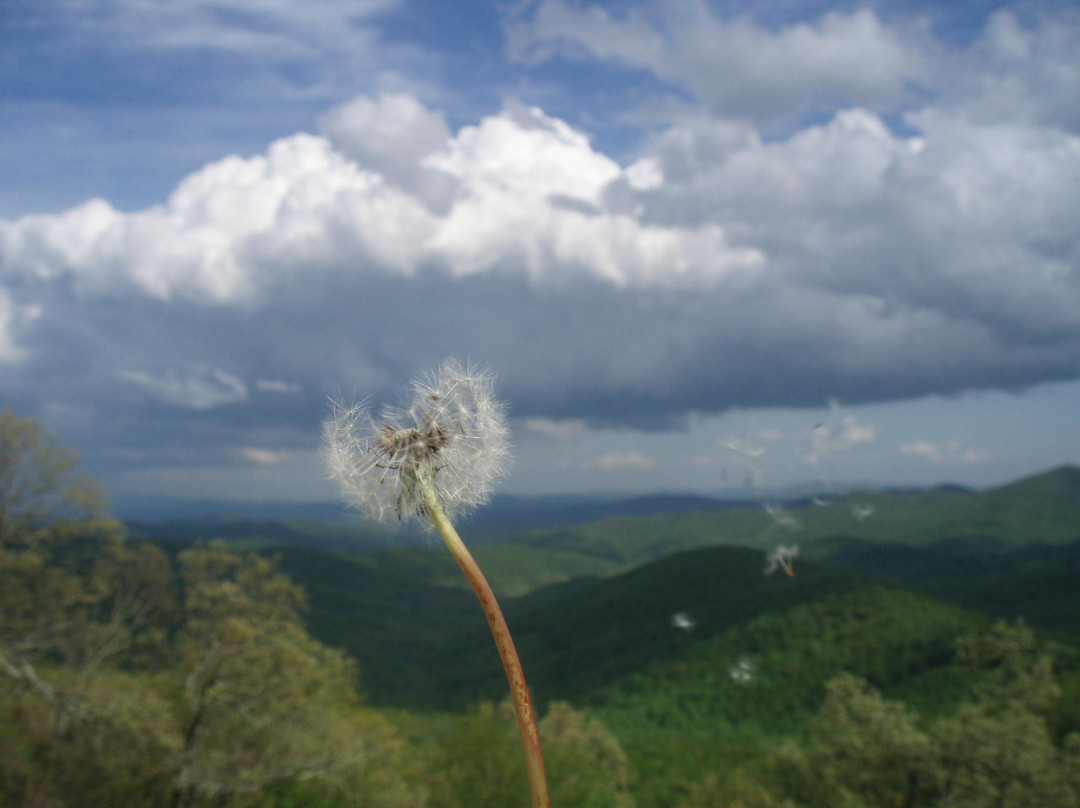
527	193
736	67
1015	73
952	452
196	388
215	238
263	457
393	134
645	174
924	449
845	238
276	386
558	429
826	440
963	218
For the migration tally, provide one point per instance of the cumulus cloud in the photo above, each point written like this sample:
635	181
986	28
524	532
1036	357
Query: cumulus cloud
1015	73
719	268
736	67
844	259
393	134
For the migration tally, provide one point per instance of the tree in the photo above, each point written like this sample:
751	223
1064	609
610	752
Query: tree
41	483
137	681
260	704
480	764
865	751
74	593
76	602
224	701
995	750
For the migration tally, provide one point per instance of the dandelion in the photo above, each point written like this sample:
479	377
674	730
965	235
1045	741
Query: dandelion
781	559
450	443
432	461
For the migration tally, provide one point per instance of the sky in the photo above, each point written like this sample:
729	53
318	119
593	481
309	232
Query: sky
703	246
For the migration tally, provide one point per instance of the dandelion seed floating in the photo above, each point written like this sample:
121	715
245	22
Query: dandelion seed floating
781	559
432	461
683	621
862	511
742	672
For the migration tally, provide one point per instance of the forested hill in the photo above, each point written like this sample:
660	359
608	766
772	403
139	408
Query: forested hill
1039	511
576	592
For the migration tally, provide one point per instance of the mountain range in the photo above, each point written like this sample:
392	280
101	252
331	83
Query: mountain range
593	602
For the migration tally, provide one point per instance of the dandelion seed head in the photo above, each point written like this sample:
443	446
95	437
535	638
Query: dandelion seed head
451	438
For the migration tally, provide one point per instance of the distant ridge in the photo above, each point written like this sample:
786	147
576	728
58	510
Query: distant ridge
1039	508
503	516
1057	485
506	515
1043	507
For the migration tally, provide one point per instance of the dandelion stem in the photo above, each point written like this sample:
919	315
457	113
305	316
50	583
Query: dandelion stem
515	675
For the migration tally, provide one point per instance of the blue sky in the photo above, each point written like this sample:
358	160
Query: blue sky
696	241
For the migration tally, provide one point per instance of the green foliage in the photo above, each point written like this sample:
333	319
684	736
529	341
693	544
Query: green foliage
995	750
479	761
139	685
79	602
741	790
259	696
586	764
686	715
864	751
41	485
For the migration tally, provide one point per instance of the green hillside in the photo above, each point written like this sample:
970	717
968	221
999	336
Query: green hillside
1041	509
593	602
1044	509
424	645
750	668
1036	582
886	584
729	698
